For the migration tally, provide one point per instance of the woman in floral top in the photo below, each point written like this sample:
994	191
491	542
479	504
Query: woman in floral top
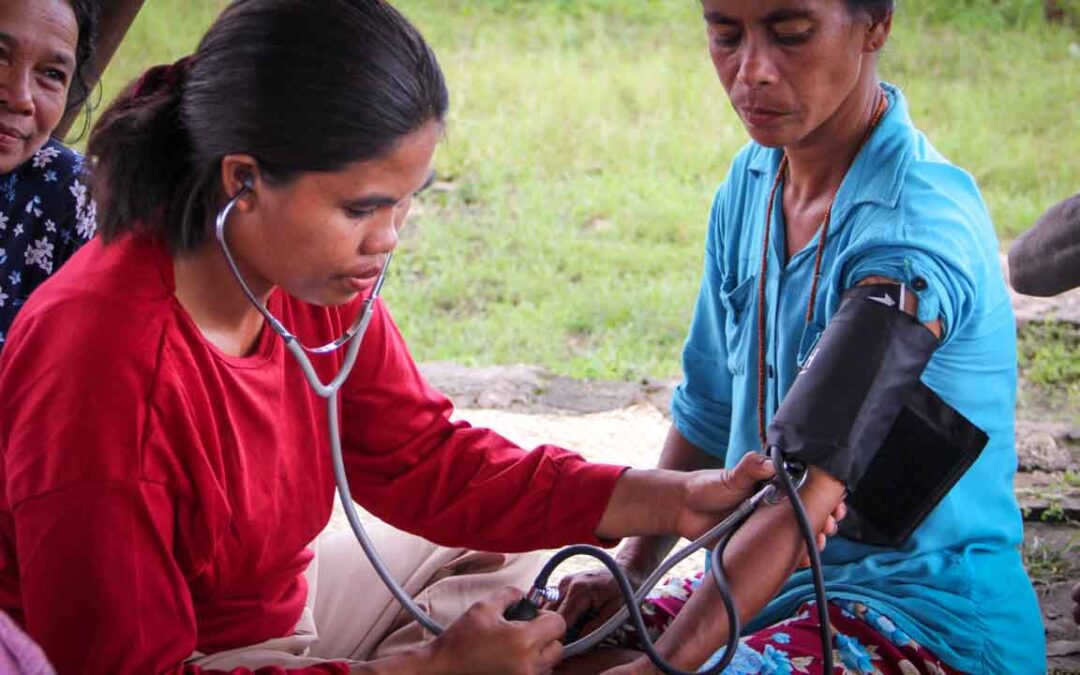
45	211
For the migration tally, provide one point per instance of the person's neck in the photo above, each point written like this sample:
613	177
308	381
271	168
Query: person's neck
818	163
208	291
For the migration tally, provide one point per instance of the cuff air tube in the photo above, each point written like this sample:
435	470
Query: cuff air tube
858	411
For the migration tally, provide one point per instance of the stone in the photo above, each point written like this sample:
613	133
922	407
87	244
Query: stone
1063	648
1037	449
489	387
531	389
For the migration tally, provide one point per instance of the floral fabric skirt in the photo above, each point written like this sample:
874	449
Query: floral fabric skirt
864	641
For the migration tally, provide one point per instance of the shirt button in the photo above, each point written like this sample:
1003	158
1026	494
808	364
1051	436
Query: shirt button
770	372
919	284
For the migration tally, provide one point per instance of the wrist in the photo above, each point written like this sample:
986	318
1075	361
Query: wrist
640	556
635	574
430	657
667	501
644	502
643	666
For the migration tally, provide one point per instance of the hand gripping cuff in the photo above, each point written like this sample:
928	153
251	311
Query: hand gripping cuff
858	411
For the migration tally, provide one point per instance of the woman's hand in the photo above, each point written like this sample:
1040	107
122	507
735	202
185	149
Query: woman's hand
832	525
481	641
588	599
711	495
659	501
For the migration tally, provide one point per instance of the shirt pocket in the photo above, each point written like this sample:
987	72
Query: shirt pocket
737	299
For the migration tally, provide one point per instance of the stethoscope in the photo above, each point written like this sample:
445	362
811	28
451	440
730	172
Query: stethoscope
352	338
781	488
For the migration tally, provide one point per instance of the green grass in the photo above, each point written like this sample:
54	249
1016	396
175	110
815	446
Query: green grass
1049	354
586	139
1049	358
1049	562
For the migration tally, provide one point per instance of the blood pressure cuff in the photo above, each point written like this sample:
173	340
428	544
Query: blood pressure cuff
859	411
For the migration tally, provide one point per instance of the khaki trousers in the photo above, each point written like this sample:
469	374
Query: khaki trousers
351	616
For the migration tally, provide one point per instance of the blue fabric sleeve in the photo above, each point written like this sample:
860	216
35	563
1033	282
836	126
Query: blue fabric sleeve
937	248
701	405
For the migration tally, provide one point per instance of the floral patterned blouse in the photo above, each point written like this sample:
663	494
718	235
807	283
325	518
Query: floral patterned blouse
46	214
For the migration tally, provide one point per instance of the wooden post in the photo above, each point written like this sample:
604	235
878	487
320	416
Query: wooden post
114	19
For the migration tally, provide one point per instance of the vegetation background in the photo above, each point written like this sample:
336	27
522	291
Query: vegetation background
586	139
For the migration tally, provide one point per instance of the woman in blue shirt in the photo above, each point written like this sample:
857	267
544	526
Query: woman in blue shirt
836	189
45	211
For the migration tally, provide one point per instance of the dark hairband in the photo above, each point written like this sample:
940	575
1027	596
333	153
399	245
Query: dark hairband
163	77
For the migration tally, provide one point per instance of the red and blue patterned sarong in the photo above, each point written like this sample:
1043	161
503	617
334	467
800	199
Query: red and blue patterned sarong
865	642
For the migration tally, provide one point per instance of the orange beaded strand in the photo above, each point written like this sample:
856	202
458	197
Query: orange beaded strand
879	113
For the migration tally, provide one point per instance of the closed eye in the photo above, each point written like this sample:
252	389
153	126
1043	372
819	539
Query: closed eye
726	38
359	214
791	39
792	30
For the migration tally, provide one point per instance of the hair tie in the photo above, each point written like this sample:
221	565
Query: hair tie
163	77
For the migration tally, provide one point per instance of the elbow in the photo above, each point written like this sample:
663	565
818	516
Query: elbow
1024	274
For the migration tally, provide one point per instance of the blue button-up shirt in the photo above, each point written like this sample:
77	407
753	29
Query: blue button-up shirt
957	586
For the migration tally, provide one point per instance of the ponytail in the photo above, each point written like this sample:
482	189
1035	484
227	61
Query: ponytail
142	155
346	88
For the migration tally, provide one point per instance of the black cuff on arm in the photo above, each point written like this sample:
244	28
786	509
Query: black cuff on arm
858	411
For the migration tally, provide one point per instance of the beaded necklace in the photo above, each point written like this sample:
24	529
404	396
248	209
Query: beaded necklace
880	109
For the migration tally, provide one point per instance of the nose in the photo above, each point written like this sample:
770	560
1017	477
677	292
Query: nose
756	66
383	235
15	92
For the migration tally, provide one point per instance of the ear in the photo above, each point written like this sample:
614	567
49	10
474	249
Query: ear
237	173
877	33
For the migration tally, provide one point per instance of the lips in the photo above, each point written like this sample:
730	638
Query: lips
10	133
364	273
758	116
359	284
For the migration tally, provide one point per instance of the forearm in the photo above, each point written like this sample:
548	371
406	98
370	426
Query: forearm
644	502
759	559
641	555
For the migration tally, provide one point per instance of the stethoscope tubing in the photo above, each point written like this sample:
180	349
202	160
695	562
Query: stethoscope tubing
353	338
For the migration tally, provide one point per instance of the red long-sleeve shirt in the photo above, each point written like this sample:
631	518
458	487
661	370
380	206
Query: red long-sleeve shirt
159	495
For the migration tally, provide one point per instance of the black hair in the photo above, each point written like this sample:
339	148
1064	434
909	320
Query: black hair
86	16
301	86
878	10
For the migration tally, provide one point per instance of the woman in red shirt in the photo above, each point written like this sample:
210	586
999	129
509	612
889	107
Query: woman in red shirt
165	465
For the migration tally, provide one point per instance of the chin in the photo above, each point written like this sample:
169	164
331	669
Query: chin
339	298
333	300
324	297
11	161
770	138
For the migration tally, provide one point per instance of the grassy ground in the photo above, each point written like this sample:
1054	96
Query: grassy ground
1049	359
586	139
